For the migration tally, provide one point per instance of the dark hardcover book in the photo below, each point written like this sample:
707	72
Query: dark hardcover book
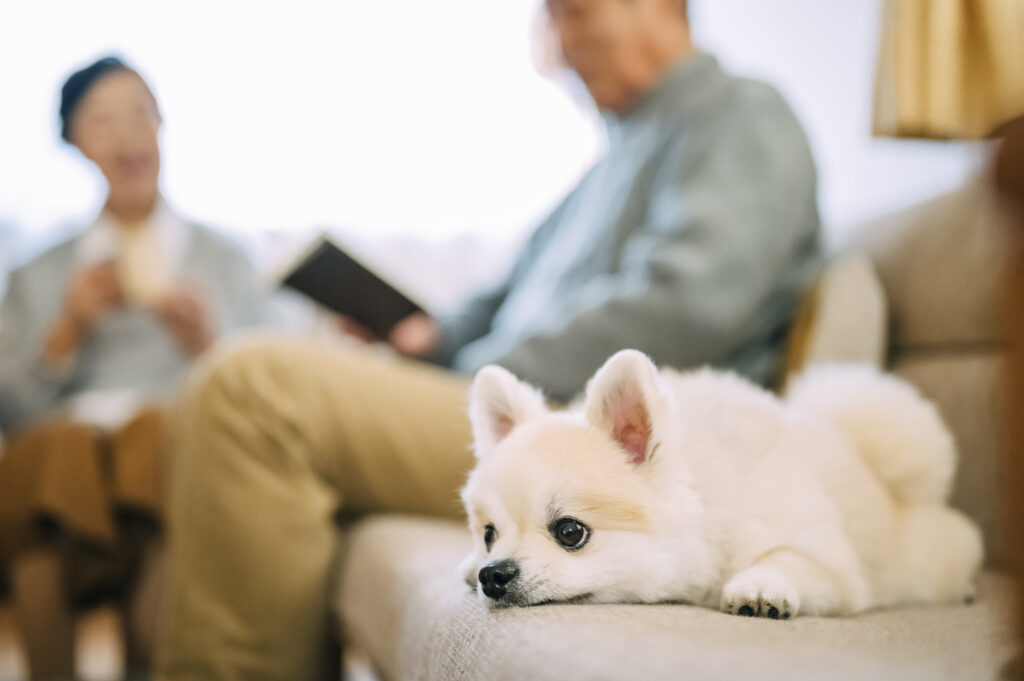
338	281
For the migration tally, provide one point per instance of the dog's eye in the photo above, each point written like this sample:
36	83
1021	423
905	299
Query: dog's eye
570	533
490	534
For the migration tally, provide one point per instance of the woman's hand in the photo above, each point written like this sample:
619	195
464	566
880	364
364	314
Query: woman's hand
186	317
91	294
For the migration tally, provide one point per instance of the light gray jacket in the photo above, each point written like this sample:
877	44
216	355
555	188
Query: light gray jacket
691	240
129	348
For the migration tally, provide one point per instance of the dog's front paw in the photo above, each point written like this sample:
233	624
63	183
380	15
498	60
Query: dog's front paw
761	592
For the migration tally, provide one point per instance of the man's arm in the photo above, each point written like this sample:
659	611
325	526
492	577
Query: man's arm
721	236
473	320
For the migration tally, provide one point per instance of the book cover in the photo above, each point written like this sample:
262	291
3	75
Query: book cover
336	279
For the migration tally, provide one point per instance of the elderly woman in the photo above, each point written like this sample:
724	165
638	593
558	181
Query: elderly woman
94	334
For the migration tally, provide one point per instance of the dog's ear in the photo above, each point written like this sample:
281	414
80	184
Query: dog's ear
498	402
625	400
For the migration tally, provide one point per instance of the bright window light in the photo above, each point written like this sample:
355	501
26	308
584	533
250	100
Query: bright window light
411	116
379	117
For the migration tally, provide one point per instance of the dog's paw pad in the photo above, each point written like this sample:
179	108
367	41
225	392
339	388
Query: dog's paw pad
761	607
760	592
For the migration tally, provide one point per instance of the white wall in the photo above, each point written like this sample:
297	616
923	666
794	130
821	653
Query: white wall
822	54
387	116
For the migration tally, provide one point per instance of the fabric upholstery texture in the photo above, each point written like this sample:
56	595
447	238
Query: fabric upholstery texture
403	600
939	266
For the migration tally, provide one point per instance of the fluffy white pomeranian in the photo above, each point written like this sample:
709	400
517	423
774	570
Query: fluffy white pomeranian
703	488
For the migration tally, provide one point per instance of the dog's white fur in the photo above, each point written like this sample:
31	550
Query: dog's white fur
703	488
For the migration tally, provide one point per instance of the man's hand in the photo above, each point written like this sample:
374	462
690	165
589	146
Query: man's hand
415	336
91	294
354	329
187	318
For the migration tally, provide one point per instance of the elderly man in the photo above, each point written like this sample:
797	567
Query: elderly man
690	240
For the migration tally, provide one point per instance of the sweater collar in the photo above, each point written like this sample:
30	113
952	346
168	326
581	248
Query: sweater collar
679	94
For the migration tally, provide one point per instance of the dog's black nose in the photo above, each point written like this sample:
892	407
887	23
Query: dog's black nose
495	577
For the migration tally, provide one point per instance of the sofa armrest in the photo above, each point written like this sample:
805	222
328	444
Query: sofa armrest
841	320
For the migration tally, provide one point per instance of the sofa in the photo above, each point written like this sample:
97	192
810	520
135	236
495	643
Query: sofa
916	293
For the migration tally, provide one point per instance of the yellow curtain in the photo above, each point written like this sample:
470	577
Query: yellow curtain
949	69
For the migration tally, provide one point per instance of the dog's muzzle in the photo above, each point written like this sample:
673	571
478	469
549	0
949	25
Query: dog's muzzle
496	577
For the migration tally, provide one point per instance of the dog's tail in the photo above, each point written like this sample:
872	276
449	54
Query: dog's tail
900	434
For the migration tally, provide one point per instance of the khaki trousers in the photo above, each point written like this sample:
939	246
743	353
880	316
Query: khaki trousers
270	440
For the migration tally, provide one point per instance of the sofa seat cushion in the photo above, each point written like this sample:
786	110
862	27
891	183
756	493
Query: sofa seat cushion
400	597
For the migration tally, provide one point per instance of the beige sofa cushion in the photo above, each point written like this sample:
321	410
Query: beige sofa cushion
965	388
939	266
403	601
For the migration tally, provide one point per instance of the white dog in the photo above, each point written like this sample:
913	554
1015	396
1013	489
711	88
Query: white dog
703	488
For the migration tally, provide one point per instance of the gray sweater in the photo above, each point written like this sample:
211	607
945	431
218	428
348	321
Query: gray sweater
129	348
691	240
